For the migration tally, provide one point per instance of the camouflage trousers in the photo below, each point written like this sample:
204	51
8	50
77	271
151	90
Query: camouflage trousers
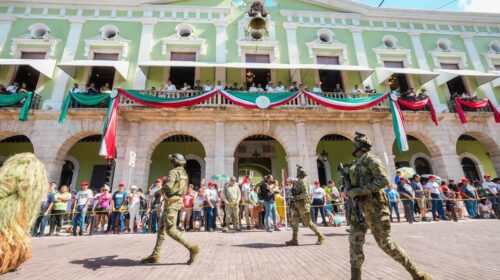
377	220
233	214
168	227
301	211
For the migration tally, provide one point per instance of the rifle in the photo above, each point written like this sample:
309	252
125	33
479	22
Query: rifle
358	212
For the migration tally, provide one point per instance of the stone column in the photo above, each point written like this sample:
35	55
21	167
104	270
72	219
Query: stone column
229	166
144	51
307	157
476	62
53	167
380	149
220	49
359	47
209	167
5	26
292	160
61	78
220	166
422	63
293	50
128	143
447	166
496	162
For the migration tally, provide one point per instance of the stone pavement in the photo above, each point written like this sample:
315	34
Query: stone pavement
463	250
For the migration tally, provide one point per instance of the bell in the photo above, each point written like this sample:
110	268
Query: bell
256	34
258	23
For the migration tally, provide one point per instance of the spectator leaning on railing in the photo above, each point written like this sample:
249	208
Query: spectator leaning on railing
469	194
393	196
407	195
59	210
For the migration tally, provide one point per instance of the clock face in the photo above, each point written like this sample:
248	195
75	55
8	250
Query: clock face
114	93
263	102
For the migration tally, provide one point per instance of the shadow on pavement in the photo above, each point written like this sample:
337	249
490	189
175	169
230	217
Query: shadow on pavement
260	245
328	234
112	261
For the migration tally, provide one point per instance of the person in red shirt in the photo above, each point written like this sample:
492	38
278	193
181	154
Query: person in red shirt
187	208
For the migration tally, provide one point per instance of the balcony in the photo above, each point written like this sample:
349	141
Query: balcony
219	101
35	102
453	108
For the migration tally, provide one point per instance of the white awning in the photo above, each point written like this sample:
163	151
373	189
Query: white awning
481	77
70	66
144	66
496	82
363	71
44	66
384	73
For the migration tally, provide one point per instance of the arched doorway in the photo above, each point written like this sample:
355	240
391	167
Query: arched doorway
470	169
422	166
190	147
417	157
14	145
260	155
331	150
475	157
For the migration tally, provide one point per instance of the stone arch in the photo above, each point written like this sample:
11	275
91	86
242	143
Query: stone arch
148	153
421	155
65	146
429	142
490	142
477	162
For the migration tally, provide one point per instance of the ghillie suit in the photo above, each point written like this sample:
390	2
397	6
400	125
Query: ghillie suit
23	183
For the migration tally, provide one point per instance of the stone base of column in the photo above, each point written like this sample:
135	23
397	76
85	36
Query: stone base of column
447	167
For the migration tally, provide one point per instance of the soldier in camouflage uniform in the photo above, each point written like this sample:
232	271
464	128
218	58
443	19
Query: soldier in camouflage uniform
368	177
231	195
301	207
172	191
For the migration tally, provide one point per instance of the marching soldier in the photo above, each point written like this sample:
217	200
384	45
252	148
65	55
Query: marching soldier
368	177
300	206
172	191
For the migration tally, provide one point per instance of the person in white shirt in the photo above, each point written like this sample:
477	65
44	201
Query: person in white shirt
76	89
317	88
259	88
219	85
280	87
170	86
207	86
82	201
270	87
186	86
437	198
493	194
134	207
245	197
213	196
356	92
13	88
154	203
252	88
318	197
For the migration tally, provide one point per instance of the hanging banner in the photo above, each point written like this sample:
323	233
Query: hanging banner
259	100
83	99
478	104
347	104
108	143
12	99
417	105
162	102
398	124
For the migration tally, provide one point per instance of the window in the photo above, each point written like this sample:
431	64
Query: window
444	44
181	75
257	76
184	30
109	32
193	169
329	78
456	84
26	74
67	173
397	80
390	41
39	31
100	75
469	168
325	36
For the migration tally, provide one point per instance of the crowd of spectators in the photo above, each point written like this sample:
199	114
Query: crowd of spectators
14	88
209	207
411	95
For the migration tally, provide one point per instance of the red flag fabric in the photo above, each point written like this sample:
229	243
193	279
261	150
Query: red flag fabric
417	105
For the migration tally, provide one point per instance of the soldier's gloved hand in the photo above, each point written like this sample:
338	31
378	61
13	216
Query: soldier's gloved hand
354	193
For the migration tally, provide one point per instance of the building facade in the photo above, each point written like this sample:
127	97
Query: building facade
141	45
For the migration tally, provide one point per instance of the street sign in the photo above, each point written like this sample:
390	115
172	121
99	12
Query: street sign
131	159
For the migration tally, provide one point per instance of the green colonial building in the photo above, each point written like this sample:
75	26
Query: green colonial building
335	49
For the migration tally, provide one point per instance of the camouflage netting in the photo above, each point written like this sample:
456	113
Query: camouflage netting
23	183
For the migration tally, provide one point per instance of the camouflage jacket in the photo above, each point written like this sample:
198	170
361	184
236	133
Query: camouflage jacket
301	190
368	173
176	183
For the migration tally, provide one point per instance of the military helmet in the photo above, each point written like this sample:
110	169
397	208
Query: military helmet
177	159
301	173
361	141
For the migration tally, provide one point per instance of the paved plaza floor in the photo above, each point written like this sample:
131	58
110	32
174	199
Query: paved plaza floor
464	250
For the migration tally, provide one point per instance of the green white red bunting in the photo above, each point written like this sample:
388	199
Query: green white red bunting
398	124
108	144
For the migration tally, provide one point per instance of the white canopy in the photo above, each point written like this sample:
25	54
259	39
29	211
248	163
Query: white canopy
496	82
481	77
383	73
44	66
363	71
70	66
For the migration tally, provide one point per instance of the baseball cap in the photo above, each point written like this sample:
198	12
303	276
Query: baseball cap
465	180
316	182
85	183
121	184
487	176
158	180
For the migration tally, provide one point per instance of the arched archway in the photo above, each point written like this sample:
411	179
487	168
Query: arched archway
259	155
332	149
471	150
82	162
192	149
417	157
14	145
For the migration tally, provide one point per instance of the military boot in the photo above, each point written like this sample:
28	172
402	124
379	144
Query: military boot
421	275
355	274
153	258
193	253
292	242
321	239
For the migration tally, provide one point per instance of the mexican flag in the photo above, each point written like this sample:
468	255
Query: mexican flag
108	144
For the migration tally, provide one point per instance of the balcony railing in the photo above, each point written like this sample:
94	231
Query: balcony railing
35	102
219	101
453	108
